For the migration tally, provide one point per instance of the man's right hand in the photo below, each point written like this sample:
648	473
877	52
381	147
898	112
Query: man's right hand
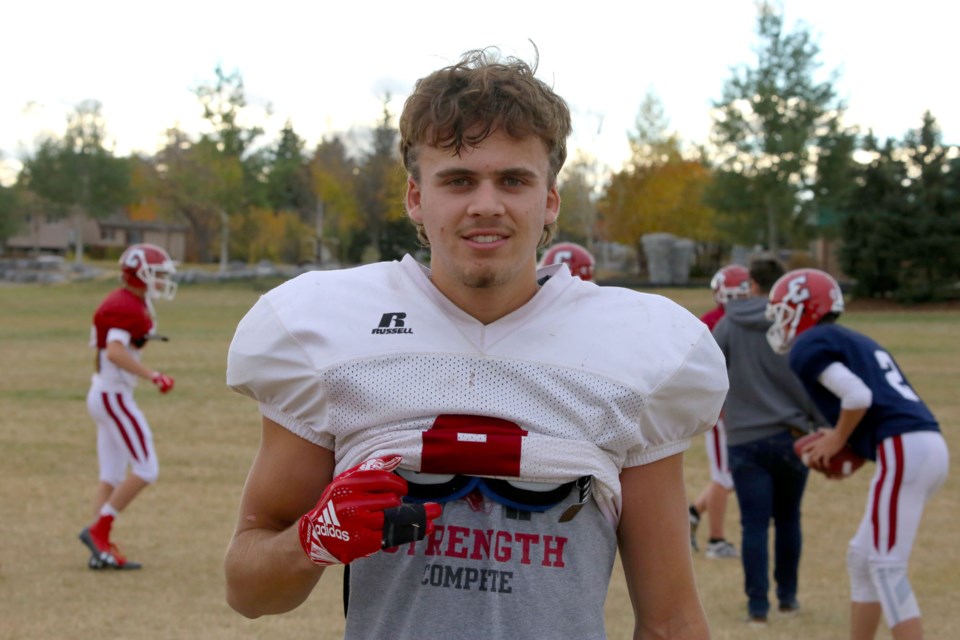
360	513
164	382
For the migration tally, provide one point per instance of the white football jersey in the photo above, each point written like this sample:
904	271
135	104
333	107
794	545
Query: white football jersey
581	380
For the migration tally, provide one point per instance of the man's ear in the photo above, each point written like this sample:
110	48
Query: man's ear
413	200
553	205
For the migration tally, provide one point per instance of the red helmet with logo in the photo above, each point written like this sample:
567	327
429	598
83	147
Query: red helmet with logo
579	260
800	299
149	267
731	282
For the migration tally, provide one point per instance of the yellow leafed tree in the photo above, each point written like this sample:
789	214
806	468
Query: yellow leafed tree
659	190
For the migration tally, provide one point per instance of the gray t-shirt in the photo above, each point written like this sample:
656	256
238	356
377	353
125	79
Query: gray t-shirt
489	572
765	397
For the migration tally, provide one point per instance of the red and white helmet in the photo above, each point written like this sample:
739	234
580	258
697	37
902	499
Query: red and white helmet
579	260
731	282
798	301
148	266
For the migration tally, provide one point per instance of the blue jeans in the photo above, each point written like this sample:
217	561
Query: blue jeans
769	480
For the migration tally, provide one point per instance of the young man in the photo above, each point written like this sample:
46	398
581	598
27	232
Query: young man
764	411
546	420
122	325
861	390
731	282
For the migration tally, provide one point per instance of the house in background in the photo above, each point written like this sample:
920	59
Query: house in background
101	238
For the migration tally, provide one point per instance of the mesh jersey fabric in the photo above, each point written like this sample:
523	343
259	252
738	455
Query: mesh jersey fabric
368	361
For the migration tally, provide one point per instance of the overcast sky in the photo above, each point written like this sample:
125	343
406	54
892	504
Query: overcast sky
326	66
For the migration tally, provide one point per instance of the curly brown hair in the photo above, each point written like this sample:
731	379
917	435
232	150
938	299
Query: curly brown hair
464	103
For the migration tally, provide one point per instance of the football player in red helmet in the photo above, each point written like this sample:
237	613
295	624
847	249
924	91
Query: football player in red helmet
731	282
861	390
578	259
122	325
800	302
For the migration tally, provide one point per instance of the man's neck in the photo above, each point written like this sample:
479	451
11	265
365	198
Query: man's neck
490	304
140	292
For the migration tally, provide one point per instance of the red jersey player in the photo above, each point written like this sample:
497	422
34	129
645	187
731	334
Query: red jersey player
122	325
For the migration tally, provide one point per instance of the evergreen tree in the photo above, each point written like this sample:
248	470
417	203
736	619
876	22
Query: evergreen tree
11	213
382	189
769	126
288	182
904	223
871	228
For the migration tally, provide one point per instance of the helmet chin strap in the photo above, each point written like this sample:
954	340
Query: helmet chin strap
149	299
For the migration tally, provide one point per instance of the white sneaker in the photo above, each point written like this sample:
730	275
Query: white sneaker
721	549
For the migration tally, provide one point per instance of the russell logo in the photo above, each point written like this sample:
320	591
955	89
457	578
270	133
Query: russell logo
392	323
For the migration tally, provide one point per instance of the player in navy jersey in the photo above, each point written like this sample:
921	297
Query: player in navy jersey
861	390
475	440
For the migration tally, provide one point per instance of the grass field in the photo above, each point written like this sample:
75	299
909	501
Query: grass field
206	436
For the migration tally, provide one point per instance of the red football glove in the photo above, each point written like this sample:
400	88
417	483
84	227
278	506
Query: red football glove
360	513
164	382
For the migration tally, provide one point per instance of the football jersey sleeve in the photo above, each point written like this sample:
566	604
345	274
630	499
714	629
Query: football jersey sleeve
686	404
116	334
266	363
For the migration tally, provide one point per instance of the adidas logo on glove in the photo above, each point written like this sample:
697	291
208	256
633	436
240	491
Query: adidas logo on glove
329	525
369	498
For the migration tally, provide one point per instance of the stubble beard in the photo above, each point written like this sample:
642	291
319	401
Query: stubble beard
483	277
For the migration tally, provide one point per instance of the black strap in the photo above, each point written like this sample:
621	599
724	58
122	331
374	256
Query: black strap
406	523
346	588
525	499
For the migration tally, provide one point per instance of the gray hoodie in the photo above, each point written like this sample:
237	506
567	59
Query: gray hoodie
765	397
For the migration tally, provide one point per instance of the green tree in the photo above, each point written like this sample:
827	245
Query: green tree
225	107
382	189
335	180
77	174
837	176
903	228
769	126
578	208
288	181
871	228
932	262
266	234
12	215
224	103
199	184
